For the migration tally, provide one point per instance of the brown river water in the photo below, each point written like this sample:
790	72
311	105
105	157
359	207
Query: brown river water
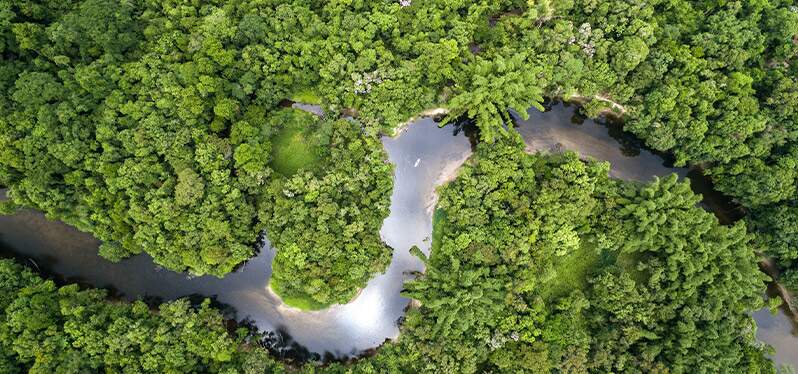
425	156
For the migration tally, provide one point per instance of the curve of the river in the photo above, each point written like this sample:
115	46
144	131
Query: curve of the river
425	156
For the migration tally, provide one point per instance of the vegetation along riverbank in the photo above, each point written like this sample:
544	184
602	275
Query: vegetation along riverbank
159	128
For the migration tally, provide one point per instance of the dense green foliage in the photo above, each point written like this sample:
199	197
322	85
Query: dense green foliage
668	290
152	127
49	329
109	108
156	126
715	84
145	125
324	220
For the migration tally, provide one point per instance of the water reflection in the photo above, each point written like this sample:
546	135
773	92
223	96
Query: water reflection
554	130
780	331
424	156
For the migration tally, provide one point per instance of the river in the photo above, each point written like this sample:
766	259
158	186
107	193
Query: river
425	156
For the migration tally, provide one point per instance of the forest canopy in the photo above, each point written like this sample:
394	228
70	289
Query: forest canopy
540	263
159	127
118	117
545	264
324	218
45	328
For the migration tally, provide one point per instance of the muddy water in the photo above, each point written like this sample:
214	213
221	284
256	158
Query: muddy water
424	157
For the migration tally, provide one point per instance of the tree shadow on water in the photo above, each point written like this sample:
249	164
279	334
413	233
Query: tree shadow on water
282	345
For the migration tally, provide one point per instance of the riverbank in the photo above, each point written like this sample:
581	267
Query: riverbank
337	332
615	109
592	140
302	303
434	113
424	156
770	268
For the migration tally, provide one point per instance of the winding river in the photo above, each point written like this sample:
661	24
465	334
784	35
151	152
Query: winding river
425	156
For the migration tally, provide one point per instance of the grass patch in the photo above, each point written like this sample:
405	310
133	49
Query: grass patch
293	148
300	301
573	271
438	221
306	97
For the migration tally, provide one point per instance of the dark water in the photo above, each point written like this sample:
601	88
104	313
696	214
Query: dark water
561	128
424	156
